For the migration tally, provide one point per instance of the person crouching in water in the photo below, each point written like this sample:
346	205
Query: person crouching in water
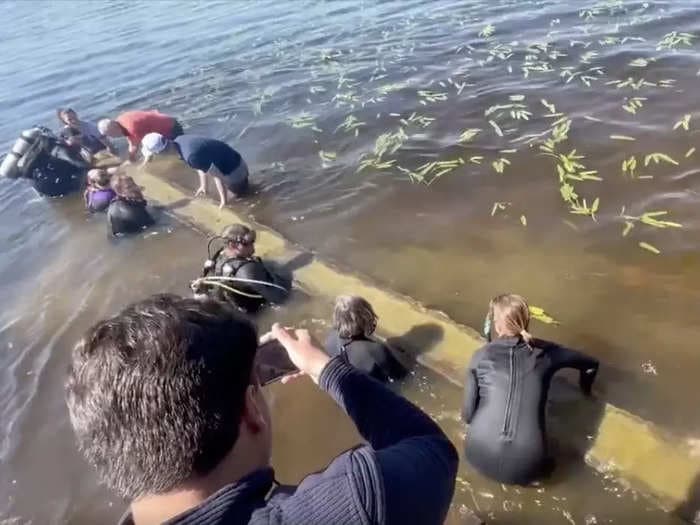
506	394
209	157
98	194
127	213
235	275
354	323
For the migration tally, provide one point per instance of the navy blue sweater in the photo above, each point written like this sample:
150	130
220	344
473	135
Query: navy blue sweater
405	474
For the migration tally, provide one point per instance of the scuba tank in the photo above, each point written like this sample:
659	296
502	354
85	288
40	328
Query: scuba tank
12	165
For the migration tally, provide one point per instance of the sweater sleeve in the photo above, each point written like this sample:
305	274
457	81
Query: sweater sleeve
407	474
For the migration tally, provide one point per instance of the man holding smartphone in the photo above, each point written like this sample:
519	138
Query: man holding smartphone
166	404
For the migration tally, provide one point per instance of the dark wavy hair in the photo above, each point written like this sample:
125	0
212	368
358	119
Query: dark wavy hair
156	393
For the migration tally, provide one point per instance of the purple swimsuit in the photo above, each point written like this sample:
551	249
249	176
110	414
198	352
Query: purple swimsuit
98	200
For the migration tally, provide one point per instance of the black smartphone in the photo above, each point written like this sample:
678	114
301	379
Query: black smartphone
273	363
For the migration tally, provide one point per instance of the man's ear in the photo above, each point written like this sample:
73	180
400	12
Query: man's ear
253	411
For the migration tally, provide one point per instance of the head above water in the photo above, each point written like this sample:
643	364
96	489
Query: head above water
240	240
510	316
68	117
154	144
353	316
110	128
126	188
99	178
168	378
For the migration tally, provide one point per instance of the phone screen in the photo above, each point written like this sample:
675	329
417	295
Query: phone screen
273	363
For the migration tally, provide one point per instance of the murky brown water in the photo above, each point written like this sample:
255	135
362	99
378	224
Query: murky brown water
249	73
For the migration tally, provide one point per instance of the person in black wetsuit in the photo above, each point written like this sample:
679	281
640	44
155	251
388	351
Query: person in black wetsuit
127	213
354	322
225	273
54	166
506	393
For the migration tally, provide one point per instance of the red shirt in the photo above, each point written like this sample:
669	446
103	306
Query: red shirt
137	124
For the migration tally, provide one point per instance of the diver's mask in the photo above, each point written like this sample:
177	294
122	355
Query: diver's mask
488	322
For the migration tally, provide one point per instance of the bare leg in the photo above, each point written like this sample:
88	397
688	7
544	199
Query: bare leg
223	192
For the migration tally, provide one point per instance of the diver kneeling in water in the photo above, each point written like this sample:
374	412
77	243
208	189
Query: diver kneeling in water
127	212
506	394
234	274
354	322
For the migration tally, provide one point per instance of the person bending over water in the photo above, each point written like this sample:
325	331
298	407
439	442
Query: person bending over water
127	213
135	125
354	322
210	157
236	260
92	139
165	403
506	393
98	194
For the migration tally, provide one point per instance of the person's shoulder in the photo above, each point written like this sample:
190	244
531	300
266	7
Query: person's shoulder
329	495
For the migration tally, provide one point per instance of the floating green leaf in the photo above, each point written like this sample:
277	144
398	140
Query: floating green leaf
468	134
622	137
690	152
523	220
684	122
500	164
488	31
538	313
649	247
658	157
498	206
496	128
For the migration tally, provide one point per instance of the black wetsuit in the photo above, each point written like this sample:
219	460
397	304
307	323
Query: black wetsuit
244	268
128	216
365	354
505	400
54	168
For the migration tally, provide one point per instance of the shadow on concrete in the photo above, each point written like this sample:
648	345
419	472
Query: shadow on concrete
180	203
689	510
420	339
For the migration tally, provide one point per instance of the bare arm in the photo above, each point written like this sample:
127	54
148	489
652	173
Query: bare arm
202	190
133	150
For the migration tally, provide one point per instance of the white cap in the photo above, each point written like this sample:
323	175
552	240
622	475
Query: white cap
153	144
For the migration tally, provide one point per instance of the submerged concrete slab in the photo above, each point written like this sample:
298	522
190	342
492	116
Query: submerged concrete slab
660	465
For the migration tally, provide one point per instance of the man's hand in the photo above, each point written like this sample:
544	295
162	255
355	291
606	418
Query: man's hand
302	351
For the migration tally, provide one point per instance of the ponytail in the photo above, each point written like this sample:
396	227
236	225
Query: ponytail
510	315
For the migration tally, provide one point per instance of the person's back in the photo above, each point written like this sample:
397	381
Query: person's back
175	378
201	152
366	354
139	123
506	393
127	216
127	213
354	323
56	170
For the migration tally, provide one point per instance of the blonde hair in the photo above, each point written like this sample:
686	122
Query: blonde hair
510	315
99	177
353	316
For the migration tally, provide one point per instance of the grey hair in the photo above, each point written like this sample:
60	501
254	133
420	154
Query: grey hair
353	316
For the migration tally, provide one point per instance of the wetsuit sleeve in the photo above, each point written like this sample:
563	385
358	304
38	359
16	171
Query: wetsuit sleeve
562	357
407	474
332	346
471	389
